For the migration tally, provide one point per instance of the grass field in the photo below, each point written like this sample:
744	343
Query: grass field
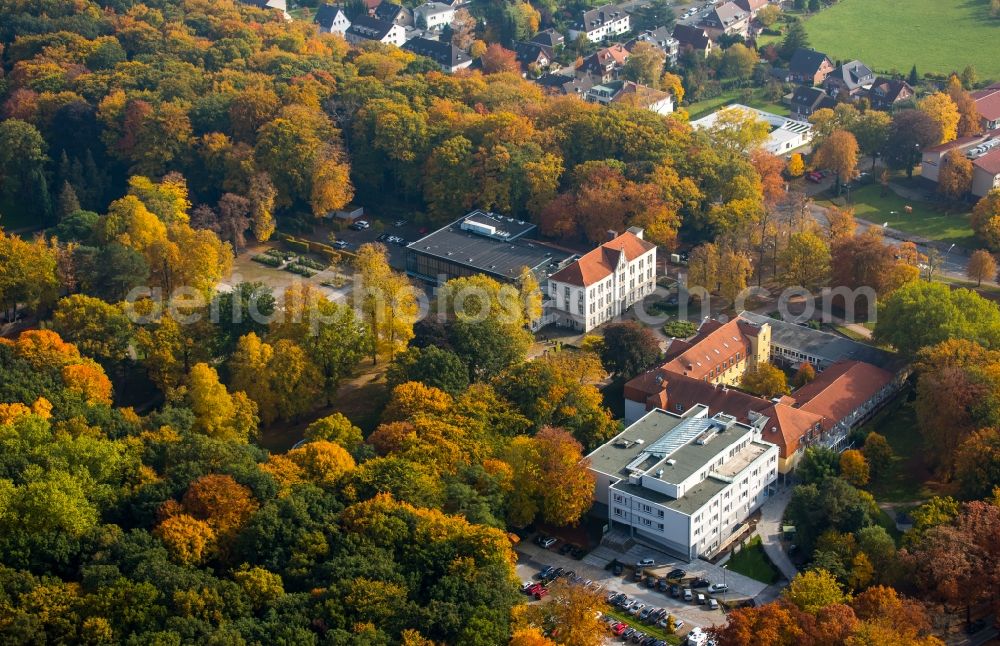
700	109
751	561
936	35
924	221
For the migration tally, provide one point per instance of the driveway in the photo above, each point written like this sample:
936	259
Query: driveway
769	528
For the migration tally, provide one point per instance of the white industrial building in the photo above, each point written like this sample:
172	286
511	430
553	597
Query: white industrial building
684	482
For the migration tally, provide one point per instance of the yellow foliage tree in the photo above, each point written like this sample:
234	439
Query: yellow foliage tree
187	539
217	412
943	110
388	302
323	463
854	467
796	167
88	379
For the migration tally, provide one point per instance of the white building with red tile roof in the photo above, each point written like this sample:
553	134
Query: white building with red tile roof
988	103
604	282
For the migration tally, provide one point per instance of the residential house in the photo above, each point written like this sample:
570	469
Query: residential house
631	94
606	63
433	16
727	19
752	7
850	80
973	147
549	38
692	38
885	93
367	28
604	282
807	99
533	56
685	483
331	20
661	39
988	103
449	57
394	13
809	66
566	84
986	171
600	23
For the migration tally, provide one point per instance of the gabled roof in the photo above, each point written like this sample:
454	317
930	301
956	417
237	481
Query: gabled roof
393	13
713	347
990	162
695	37
840	389
637	95
433	8
786	426
326	14
616	54
806	62
890	88
812	97
567	84
751	6
659	38
728	13
370	28
988	102
444	54
528	53
599	263
599	16
853	74
549	37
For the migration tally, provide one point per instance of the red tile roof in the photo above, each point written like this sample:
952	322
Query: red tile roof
990	162
840	389
659	388
714	346
599	263
988	102
786	426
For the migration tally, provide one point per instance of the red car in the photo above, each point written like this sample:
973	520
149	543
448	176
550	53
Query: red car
535	588
541	592
618	629
814	177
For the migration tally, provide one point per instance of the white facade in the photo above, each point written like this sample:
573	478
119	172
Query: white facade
602	22
584	307
433	15
689	481
395	35
339	25
786	134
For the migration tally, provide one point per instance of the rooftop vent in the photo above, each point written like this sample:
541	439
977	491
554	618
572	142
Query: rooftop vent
659	473
671	462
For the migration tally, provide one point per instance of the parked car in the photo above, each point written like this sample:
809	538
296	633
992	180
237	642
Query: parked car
688	595
650	581
637	609
547	542
637	575
713	604
644	563
340	244
814	177
617	569
675	591
535	588
699	583
360	225
644	615
701	599
565	549
717	587
578	553
399	223
627	603
526	585
637	637
541	592
676	574
571	574
662	585
545	571
619	628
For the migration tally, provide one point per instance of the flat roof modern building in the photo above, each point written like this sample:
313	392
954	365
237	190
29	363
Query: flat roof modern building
684	482
483	243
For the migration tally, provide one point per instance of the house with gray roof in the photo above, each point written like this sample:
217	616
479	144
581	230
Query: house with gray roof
434	16
809	66
367	28
727	18
449	57
600	23
331	20
850	79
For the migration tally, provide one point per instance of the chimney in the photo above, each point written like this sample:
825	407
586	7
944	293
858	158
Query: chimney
612	235
636	231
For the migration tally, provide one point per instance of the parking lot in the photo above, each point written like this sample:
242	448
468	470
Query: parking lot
532	558
407	232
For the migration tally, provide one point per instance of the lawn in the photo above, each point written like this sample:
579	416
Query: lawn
751	561
925	220
908	478
939	36
700	109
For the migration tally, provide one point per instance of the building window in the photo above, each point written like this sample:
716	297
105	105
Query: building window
619	512
618	497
